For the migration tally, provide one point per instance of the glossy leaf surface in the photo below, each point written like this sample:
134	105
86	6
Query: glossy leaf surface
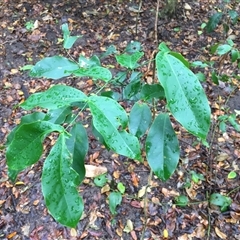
139	119
55	97
162	147
53	67
59	115
185	96
26	146
110	120
59	185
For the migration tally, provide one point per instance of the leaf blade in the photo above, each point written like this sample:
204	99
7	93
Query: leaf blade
162	147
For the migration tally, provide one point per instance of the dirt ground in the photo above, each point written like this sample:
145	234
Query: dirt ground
23	214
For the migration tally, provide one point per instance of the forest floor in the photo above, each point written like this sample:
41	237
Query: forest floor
23	214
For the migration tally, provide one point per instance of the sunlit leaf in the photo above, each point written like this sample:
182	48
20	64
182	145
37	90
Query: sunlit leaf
129	60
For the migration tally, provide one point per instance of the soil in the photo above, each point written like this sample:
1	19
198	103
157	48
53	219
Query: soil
23	214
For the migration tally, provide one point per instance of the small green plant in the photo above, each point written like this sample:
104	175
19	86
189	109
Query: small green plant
29	26
220	200
225	14
119	130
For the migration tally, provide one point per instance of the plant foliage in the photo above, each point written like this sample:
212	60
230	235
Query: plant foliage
121	131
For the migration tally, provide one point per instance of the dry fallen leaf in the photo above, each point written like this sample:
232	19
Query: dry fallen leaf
94	171
220	234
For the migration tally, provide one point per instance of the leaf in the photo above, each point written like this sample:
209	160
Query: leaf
181	201
162	148
95	72
180	58
77	145
100	180
59	185
223	49
55	97
234	16
149	92
213	21
53	67
110	120
33	117
235	55
88	62
219	200
185	96
68	40
121	188
133	47
131	90
26	146
129	226
129	61
232	175
139	119
115	198
163	47
94	171
58	116
199	64
110	50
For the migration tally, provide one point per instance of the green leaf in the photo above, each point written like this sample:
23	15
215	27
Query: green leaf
213	21
26	67
131	90
185	96
58	116
234	16
110	50
115	198
150	91
59	185
77	145
121	188
26	146
232	121
68	40
129	61
181	201
215	78
162	147
199	64
180	58
95	72
55	97
110	120
139	119
114	95
32	117
235	55
201	77
100	180
219	200
196	177
232	175
163	47
223	49
133	47
89	62
53	67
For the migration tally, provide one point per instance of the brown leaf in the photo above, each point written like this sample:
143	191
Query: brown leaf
220	234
